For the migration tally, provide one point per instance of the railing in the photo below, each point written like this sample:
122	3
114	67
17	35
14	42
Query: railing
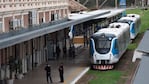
31	28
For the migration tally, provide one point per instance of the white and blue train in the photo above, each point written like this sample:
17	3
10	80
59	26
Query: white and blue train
108	44
134	22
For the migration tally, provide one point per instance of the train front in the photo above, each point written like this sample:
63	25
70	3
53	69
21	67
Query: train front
101	48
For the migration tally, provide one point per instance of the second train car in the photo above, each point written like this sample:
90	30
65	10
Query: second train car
134	22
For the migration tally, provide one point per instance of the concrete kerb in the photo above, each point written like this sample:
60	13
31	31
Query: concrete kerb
80	75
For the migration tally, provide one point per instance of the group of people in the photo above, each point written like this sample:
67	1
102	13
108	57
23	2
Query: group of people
71	51
48	73
60	68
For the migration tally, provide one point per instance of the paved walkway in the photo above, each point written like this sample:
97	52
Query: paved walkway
73	68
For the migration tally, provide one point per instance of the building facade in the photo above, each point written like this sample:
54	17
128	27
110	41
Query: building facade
16	14
21	14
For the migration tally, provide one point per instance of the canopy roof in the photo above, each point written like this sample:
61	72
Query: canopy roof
15	37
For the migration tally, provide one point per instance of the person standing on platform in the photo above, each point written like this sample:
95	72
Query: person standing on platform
48	73
61	73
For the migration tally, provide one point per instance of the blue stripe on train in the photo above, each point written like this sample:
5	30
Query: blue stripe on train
91	48
132	27
115	47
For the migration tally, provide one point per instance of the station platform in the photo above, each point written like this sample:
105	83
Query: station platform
73	70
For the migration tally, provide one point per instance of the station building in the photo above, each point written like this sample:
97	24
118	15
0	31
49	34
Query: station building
18	17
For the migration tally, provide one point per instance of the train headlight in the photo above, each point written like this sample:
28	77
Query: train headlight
110	39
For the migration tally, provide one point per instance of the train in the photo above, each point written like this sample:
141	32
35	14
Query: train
134	21
107	45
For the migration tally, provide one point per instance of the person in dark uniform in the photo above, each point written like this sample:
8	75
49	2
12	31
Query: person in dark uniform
61	73
48	73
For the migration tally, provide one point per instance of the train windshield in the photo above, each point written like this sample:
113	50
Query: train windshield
103	43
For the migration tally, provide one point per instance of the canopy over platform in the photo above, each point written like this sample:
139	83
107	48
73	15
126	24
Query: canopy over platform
15	37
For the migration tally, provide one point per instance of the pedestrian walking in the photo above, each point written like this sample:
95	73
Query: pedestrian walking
61	73
58	50
48	73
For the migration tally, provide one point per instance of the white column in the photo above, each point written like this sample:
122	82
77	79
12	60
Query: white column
3	24
55	18
49	16
59	16
13	18
22	20
37	18
44	14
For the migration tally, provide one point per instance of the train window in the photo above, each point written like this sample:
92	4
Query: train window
110	38
103	46
103	43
